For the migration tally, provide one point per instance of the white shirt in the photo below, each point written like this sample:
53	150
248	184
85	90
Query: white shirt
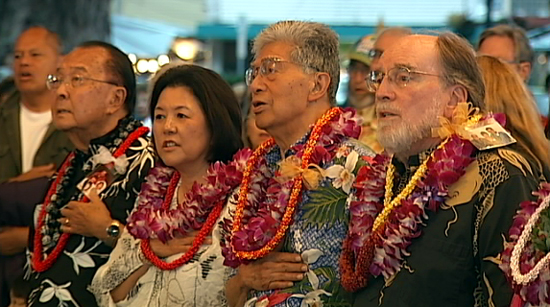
33	127
199	283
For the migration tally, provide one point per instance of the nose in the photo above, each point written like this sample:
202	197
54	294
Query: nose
23	59
61	91
169	127
385	91
257	85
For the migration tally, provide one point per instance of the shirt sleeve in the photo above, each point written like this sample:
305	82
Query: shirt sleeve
123	261
500	205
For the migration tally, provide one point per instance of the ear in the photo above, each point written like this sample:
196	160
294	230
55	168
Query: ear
524	70
319	86
118	96
458	94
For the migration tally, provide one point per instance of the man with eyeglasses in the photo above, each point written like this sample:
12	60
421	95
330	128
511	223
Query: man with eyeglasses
75	227
435	235
30	146
511	45
314	155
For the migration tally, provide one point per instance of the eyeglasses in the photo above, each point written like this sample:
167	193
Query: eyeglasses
375	53
400	76
268	67
54	82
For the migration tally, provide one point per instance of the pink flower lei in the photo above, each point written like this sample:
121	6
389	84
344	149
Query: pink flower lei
525	257
388	247
153	217
267	199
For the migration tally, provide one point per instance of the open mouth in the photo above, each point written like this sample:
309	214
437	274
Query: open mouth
169	144
63	111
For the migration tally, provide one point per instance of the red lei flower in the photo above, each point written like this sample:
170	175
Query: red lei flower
38	262
266	206
153	217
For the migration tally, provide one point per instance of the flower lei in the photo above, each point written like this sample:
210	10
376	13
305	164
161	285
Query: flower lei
265	206
40	261
379	234
525	258
202	207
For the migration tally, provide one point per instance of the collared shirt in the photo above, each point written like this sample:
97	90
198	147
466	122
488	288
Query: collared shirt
320	223
454	261
66	282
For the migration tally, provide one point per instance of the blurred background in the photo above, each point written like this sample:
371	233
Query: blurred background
217	33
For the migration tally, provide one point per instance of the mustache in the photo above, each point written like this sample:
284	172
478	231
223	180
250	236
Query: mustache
387	109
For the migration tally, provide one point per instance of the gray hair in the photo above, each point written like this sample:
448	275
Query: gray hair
316	47
460	66
523	51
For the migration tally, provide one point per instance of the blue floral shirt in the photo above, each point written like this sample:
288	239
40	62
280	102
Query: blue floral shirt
320	227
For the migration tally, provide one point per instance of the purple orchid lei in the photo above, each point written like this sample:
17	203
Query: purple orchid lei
535	249
446	166
268	198
153	219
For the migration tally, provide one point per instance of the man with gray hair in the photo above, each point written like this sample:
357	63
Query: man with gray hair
511	45
434	229
291	214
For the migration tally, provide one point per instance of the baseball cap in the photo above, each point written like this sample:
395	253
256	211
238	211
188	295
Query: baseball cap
360	50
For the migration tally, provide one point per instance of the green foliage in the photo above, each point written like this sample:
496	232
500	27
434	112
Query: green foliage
326	206
541	232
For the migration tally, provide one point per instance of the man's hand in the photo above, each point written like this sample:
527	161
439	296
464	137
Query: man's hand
13	240
176	245
36	172
275	271
87	219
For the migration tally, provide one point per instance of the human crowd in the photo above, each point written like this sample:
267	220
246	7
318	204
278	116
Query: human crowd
428	188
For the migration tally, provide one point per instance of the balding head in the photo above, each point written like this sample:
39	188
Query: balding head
36	55
387	37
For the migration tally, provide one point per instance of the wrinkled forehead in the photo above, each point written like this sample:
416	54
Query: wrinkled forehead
414	51
90	61
275	50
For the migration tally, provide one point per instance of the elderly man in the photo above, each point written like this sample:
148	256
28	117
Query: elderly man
511	45
291	213
432	237
30	146
74	232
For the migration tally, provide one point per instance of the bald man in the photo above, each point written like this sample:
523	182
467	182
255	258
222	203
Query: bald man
30	147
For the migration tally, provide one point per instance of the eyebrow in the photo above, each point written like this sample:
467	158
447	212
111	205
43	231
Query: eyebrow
76	68
269	57
176	108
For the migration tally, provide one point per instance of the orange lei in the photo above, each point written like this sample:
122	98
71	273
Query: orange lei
295	194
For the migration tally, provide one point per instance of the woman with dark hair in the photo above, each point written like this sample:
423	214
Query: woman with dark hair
169	253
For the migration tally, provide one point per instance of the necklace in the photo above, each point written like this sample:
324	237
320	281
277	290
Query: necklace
200	209
39	263
371	225
266	207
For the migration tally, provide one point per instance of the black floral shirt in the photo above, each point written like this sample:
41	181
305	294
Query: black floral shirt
66	282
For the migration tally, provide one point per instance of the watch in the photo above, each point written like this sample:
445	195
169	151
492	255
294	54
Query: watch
113	230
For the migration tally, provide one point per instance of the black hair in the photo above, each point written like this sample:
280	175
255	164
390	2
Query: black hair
217	101
120	66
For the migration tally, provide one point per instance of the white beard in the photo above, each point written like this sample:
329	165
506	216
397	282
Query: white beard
398	138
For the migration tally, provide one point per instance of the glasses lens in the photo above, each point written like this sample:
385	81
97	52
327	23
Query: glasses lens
249	76
373	80
401	76
52	82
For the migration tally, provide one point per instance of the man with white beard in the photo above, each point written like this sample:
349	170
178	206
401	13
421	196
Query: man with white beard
441	208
